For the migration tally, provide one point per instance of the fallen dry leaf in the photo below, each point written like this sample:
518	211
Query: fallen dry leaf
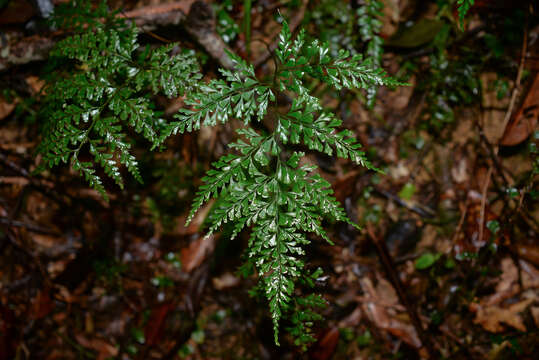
193	255
16	12
14	180
43	304
493	116
325	347
193	227
492	318
35	83
529	252
469	240
380	310
524	121
508	285
103	348
491	313
530	275
227	280
535	315
153	333
6	108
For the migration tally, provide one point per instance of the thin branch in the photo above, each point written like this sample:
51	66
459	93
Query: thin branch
31	227
504	125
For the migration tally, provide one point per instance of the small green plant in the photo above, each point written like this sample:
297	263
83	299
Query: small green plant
449	83
265	182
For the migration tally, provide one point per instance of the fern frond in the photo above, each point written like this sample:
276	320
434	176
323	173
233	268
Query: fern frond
92	106
370	26
314	59
239	95
319	133
232	169
463	8
261	185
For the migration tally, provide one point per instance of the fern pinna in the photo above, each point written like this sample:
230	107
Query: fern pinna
463	7
370	26
264	185
105	91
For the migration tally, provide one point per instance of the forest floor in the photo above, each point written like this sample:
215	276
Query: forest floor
446	264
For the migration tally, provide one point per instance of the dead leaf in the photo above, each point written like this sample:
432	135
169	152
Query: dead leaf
103	348
35	83
193	255
535	315
6	108
381	310
227	280
494	113
530	275
8	333
492	318
344	185
508	278
43	304
353	319
153	333
469	240
195	224
529	252
524	121
17	12
508	285
325	347
491	313
460	172
14	180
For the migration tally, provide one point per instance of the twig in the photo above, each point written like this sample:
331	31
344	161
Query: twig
35	182
35	259
492	153
152	16
421	211
461	222
504	125
484	203
519	77
34	228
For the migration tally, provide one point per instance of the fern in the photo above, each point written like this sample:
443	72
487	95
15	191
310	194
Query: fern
463	7
370	26
263	186
104	94
238	95
304	313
